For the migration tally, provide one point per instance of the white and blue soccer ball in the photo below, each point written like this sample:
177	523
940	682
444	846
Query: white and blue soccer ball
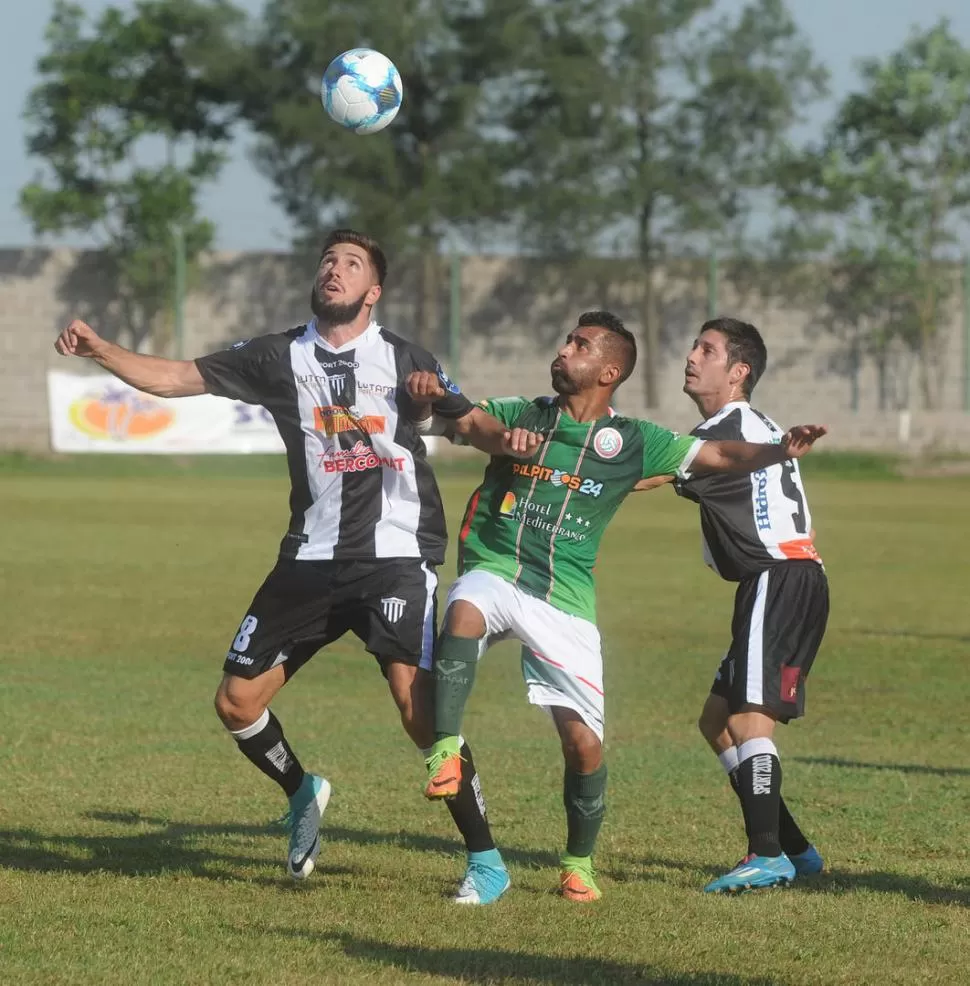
361	90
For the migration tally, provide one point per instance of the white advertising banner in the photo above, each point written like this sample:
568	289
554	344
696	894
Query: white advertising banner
102	414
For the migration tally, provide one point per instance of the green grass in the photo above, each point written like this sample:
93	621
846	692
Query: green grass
134	840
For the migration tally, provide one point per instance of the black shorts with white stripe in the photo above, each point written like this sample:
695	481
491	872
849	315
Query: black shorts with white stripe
389	604
778	625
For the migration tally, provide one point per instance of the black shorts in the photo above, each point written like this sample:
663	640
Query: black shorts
389	604
779	620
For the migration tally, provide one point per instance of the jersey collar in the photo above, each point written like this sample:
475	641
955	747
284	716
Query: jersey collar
726	409
365	338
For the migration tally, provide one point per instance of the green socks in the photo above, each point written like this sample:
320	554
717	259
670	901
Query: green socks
584	799
455	663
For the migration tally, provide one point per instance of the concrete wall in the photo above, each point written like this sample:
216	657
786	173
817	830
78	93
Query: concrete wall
513	311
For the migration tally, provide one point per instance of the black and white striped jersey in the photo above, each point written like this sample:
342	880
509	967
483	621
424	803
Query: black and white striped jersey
749	522
361	485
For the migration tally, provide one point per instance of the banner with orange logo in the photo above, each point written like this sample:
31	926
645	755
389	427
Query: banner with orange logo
99	413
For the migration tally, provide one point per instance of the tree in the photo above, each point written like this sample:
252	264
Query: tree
890	186
651	128
150	82
431	174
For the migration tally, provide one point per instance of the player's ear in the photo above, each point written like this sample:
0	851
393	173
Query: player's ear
610	375
373	293
737	373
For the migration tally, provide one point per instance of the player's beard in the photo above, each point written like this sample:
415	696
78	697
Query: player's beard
331	313
563	383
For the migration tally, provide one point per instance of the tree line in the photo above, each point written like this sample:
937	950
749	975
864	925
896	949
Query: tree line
636	129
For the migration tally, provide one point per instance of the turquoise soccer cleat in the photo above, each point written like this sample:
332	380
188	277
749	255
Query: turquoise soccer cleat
754	873
486	879
306	812
808	863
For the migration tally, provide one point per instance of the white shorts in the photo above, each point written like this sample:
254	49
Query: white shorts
562	661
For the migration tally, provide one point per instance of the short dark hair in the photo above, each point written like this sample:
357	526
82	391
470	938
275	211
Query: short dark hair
367	243
620	344
744	345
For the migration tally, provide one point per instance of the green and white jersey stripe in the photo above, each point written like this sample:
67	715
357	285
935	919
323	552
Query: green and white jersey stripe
538	523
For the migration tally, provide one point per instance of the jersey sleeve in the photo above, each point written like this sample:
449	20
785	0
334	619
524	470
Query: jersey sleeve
246	371
453	405
506	409
665	453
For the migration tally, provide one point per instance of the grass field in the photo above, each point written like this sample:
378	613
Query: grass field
134	844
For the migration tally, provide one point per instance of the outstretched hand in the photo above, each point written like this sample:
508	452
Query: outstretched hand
798	441
79	339
424	387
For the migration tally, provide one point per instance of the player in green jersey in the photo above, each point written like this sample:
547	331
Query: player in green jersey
528	543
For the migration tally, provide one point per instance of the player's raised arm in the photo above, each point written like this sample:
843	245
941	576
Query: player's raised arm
478	428
151	374
727	456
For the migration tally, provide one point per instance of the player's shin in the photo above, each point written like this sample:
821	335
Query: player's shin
468	807
455	664
265	746
759	780
584	798
790	836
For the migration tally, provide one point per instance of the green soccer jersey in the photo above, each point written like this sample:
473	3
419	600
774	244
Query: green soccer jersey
538	523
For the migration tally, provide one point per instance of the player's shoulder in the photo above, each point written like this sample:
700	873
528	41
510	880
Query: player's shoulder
268	344
643	426
407	348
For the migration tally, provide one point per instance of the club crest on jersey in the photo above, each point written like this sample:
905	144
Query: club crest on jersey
607	443
393	608
447	383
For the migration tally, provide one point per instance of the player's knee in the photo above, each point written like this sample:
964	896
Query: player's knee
709	729
236	711
583	752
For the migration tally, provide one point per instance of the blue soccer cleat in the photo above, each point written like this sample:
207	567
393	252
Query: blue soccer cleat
808	863
486	879
306	812
754	873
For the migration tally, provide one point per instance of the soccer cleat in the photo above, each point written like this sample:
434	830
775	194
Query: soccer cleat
486	879
808	863
444	769
754	873
306	812
577	880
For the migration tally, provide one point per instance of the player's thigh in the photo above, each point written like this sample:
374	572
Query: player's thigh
394	612
779	622
289	619
562	661
492	597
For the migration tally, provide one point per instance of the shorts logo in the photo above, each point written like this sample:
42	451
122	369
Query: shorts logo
607	443
393	608
333	420
445	382
790	678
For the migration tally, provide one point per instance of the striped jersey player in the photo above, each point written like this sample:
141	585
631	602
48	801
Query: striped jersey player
757	532
527	548
366	527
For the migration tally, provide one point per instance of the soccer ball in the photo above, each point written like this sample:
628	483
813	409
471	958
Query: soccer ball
361	90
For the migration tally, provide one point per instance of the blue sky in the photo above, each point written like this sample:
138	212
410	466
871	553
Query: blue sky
240	202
